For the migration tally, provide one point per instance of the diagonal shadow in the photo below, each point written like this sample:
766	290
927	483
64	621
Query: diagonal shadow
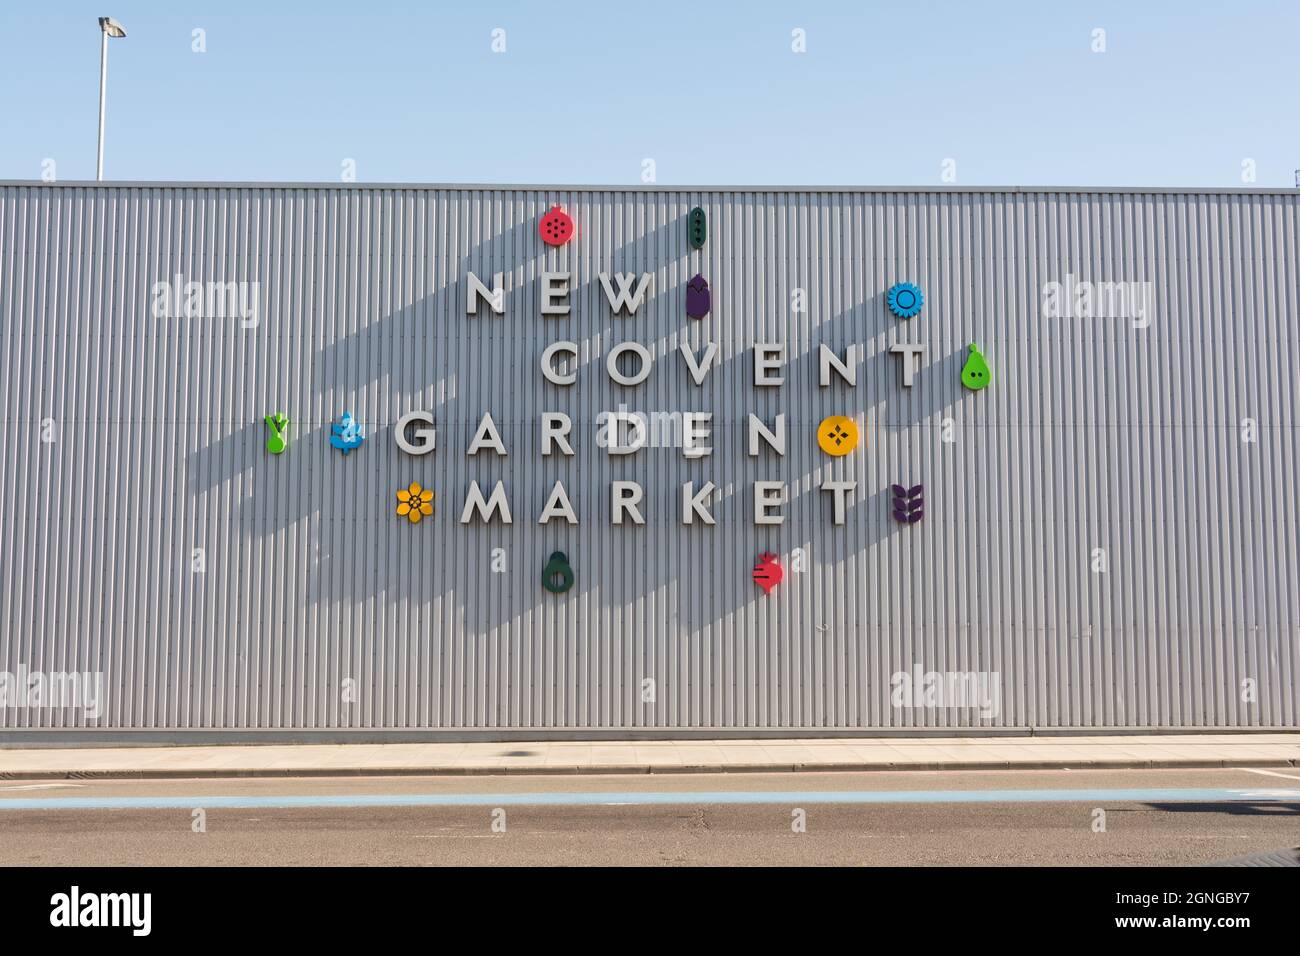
423	353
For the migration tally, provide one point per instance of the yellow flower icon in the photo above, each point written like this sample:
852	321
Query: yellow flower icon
414	502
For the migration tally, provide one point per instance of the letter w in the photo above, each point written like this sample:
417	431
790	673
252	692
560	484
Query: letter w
626	298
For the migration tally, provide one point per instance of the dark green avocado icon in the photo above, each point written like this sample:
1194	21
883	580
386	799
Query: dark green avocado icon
557	567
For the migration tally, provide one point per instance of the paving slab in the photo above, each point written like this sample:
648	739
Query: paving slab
1279	750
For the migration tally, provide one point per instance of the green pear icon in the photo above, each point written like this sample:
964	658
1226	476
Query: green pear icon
976	374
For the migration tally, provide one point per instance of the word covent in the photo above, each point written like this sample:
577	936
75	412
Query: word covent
837	435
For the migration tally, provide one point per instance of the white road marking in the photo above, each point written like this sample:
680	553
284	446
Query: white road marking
43	786
455	836
1270	773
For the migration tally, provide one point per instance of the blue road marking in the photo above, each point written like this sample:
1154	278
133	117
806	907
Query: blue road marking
666	798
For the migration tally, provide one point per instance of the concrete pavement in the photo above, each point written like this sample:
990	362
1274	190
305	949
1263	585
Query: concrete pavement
1277	750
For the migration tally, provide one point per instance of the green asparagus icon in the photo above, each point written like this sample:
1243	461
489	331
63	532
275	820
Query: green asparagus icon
278	440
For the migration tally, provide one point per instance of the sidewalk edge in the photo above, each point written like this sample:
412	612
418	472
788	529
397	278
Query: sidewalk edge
646	768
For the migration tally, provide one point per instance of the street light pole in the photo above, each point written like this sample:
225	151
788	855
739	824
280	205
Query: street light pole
108	27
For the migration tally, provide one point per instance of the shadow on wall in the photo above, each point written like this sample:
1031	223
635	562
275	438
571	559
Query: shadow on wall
430	355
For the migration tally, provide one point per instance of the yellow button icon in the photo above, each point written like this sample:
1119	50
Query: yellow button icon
837	435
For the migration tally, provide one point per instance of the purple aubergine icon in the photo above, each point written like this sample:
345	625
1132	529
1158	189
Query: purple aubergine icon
697	298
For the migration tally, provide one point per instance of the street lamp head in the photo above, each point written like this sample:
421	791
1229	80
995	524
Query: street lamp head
112	27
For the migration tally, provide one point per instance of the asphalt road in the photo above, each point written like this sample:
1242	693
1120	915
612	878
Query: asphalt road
621	823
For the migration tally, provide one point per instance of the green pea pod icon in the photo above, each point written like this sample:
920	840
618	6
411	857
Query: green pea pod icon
278	440
976	374
697	228
557	566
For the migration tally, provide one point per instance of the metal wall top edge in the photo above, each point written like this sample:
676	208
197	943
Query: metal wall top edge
684	188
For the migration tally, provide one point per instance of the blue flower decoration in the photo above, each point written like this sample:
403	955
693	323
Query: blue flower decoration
905	300
346	434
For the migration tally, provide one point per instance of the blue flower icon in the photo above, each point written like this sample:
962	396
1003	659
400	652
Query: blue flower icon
905	300
345	434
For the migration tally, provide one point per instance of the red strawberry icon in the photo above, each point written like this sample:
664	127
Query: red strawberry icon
767	572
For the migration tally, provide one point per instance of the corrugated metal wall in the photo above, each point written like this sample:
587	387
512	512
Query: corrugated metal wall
131	441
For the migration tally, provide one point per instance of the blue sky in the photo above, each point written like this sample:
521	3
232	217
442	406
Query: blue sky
713	93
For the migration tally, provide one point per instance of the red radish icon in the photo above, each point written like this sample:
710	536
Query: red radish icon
556	227
767	573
